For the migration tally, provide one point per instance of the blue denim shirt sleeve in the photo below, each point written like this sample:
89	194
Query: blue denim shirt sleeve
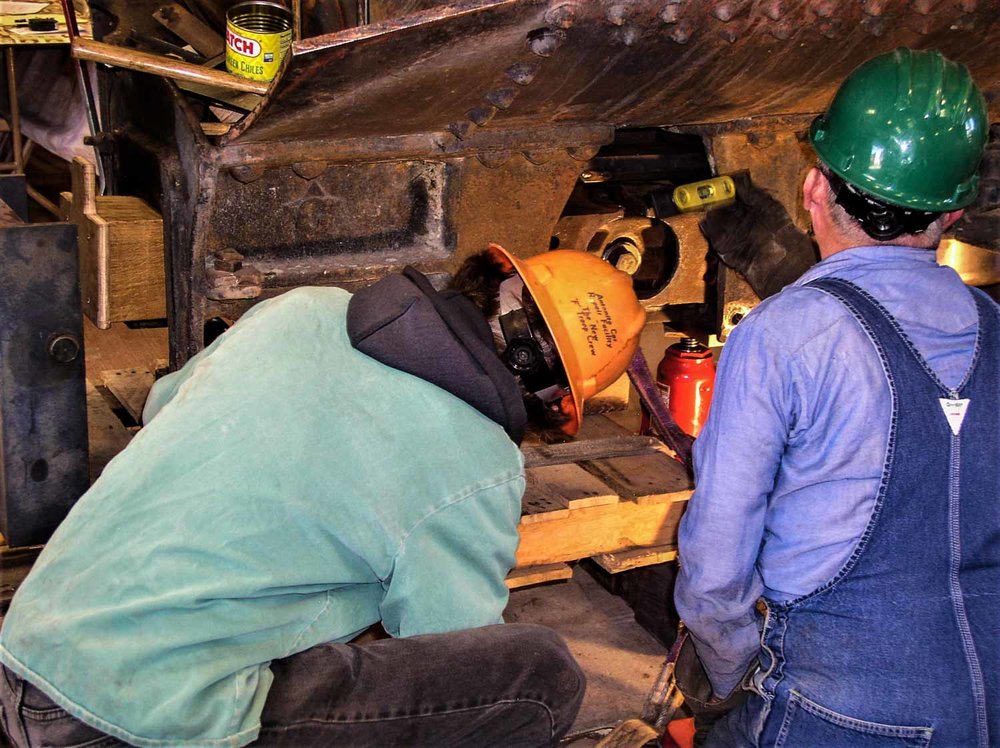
737	456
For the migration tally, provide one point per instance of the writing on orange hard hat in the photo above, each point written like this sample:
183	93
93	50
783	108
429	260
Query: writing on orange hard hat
592	314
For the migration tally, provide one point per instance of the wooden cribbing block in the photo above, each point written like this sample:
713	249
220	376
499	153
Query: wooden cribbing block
106	435
553	490
121	252
130	387
647	478
593	530
635	558
523	577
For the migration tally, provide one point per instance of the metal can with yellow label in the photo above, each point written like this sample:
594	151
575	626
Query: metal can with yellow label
258	35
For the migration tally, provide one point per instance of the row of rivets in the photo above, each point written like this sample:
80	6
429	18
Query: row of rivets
541	42
246	173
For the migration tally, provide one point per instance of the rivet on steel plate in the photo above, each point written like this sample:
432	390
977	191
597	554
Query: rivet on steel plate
481	115
522	73
875	26
247	173
460	129
309	169
873	7
583	153
544	42
630	35
493	159
781	31
730	35
966	22
923	7
501	98
682	32
670	14
561	16
538	157
773	9
725	11
824	8
829	29
616	14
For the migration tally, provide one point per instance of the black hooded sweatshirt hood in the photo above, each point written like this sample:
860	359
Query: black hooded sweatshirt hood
441	337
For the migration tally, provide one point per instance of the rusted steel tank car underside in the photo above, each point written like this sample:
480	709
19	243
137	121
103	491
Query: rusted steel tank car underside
420	137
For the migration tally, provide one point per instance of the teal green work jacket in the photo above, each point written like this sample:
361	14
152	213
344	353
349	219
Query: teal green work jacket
286	491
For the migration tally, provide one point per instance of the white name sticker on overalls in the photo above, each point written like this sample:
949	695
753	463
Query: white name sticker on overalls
954	411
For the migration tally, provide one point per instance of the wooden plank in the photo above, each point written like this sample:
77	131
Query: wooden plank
122	347
594	530
106	434
206	41
574	486
634	558
541	502
130	387
8	217
644	479
524	577
213	129
245	102
538	455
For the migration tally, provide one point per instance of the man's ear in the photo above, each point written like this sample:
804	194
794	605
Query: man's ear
949	218
814	189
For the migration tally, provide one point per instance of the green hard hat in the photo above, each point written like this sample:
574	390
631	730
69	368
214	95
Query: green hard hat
908	127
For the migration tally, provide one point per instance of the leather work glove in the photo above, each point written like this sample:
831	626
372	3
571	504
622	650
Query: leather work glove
755	236
693	682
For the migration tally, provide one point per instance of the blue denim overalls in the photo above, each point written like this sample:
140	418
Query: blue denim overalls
902	647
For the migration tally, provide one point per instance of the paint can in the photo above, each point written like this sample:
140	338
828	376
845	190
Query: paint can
258	35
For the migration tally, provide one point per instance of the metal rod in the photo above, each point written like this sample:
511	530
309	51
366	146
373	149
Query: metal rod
364	13
15	112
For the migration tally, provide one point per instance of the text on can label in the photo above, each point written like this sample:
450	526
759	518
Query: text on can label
241	45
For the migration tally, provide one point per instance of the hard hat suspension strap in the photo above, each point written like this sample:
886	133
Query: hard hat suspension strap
880	220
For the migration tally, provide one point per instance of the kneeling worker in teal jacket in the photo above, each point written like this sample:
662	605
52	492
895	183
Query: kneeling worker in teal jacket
330	462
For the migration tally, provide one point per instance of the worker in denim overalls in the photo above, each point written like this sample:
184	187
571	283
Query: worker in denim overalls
840	559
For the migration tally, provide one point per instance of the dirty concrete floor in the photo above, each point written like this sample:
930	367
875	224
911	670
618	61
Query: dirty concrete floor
621	660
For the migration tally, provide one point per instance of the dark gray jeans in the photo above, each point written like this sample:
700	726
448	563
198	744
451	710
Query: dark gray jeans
514	685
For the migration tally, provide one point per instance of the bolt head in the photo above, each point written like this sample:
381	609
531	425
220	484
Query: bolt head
64	348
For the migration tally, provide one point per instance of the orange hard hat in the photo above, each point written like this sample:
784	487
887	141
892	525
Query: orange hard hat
592	314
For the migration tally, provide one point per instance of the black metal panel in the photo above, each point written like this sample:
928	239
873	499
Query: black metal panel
43	401
14	192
